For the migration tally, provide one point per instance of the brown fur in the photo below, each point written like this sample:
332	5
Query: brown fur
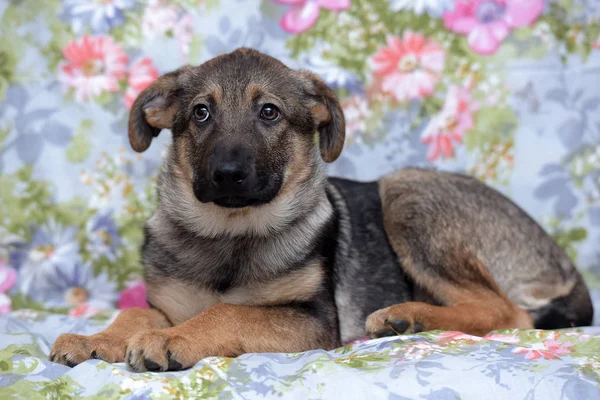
173	297
227	330
109	345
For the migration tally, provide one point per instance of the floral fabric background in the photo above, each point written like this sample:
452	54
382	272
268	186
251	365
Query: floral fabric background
505	90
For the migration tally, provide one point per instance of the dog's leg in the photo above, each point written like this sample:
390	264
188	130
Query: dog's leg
430	235
110	344
227	330
472	302
477	316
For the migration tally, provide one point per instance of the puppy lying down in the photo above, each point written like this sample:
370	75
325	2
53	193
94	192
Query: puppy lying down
253	249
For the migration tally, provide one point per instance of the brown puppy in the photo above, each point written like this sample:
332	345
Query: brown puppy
253	249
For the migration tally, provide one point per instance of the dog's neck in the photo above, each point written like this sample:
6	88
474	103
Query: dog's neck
306	200
252	244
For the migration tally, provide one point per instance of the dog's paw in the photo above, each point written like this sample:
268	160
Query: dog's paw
394	320
159	350
70	349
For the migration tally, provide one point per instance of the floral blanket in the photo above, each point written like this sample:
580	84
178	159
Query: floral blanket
436	365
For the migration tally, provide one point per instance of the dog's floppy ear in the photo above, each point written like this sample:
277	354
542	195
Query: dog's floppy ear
153	110
327	115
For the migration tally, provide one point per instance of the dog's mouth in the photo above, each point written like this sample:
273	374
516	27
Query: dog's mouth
236	201
243	197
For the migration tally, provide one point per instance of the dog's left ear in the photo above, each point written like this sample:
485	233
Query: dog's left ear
327	115
153	110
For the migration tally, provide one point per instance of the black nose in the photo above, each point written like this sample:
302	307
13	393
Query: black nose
228	173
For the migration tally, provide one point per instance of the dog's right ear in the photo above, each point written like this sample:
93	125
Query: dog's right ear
153	110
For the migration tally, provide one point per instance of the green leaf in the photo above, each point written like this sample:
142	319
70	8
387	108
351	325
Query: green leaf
493	125
196	45
4	132
587	348
578	234
80	148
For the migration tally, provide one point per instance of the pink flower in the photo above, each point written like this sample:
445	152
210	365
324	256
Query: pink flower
93	65
455	118
133	296
584	337
141	74
454	335
448	337
304	13
409	67
503	338
488	22
8	277
84	311
550	350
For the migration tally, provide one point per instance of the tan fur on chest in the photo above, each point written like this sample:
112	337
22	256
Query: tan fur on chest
180	302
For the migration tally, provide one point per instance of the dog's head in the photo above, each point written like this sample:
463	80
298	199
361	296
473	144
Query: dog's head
241	124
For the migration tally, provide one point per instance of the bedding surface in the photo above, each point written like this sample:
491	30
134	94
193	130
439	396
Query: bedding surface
510	364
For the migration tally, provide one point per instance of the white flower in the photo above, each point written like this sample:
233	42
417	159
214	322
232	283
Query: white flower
332	74
356	111
158	20
435	8
183	32
133	384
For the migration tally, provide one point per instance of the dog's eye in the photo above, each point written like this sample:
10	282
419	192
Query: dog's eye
269	112
201	113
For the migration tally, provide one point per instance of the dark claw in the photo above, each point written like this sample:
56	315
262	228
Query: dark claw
94	355
71	364
151	365
400	326
418	328
174	365
384	333
52	357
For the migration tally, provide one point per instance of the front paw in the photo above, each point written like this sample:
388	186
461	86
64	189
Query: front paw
161	350
70	349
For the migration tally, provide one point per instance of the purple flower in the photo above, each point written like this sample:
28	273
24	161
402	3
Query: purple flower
100	15
52	247
72	285
103	237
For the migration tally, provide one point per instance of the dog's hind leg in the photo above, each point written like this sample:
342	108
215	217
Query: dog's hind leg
436	245
470	307
110	344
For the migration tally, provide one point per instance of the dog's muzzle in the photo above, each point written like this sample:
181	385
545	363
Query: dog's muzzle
232	179
231	183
